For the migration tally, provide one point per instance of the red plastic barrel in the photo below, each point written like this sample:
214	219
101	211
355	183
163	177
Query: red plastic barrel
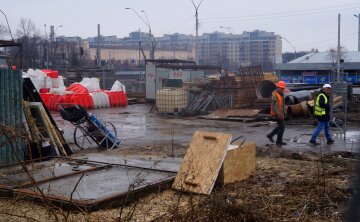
44	90
77	88
124	99
83	99
48	72
55	99
67	98
46	98
111	98
54	74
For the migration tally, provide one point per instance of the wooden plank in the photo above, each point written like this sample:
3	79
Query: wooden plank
31	95
234	113
202	162
49	127
238	165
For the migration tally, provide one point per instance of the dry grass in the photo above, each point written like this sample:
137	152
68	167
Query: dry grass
282	189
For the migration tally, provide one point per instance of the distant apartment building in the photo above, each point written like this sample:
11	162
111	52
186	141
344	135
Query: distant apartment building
249	48
130	41
128	55
217	48
176	41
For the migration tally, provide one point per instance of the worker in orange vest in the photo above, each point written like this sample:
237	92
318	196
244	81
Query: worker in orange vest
278	112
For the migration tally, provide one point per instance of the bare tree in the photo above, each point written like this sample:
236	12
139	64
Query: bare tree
332	56
26	28
3	31
28	34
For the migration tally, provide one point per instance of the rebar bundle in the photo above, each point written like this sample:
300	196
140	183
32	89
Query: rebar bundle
241	87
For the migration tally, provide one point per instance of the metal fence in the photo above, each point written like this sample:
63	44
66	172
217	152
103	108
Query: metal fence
339	114
11	116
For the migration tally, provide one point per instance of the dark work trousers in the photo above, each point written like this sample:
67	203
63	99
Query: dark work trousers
279	130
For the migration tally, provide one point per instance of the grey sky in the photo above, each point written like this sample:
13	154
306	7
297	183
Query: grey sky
306	24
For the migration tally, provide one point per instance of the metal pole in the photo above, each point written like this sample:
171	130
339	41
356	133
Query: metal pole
103	72
139	61
52	31
151	40
197	30
147	23
197	38
358	16
338	51
47	49
98	55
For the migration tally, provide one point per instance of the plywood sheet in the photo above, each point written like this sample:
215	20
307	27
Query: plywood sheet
239	164
202	162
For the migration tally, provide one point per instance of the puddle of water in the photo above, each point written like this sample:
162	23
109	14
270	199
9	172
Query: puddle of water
351	136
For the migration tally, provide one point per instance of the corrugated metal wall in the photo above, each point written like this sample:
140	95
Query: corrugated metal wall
11	115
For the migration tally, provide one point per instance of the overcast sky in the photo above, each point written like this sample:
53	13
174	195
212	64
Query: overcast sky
305	24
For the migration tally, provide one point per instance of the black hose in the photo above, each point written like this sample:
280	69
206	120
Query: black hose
236	139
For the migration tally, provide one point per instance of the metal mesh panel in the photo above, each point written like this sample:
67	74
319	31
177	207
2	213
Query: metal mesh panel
339	104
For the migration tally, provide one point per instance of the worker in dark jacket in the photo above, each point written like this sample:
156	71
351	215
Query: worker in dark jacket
322	112
278	112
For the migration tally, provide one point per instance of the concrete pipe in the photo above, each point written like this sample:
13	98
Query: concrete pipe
305	108
265	89
294	111
292	98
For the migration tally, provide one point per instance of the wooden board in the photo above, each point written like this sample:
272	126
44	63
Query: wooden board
234	113
32	95
238	165
202	162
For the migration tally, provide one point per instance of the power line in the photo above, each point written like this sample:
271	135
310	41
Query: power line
178	25
325	41
281	14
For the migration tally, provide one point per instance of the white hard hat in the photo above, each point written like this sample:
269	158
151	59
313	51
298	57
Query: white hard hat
326	86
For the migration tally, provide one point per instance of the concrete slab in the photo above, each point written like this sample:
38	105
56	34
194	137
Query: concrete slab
81	183
167	164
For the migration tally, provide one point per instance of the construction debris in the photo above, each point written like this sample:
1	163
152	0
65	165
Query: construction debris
202	162
210	158
239	163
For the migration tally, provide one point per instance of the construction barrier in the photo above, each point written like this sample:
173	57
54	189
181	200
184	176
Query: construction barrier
86	93
88	100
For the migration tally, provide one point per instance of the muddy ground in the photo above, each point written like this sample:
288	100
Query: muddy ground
296	182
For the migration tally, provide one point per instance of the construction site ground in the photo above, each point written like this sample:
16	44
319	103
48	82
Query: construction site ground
295	182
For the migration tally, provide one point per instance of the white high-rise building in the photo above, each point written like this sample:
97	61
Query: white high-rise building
232	50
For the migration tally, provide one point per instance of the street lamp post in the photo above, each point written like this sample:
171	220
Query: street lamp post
151	44
7	24
358	16
225	50
197	30
55	31
151	40
290	44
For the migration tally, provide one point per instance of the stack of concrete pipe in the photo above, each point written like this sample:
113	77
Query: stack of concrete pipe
297	104
306	108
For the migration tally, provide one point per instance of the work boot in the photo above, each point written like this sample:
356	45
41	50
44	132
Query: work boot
281	143
312	142
270	138
329	142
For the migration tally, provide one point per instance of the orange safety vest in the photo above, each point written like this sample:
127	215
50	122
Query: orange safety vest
280	105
